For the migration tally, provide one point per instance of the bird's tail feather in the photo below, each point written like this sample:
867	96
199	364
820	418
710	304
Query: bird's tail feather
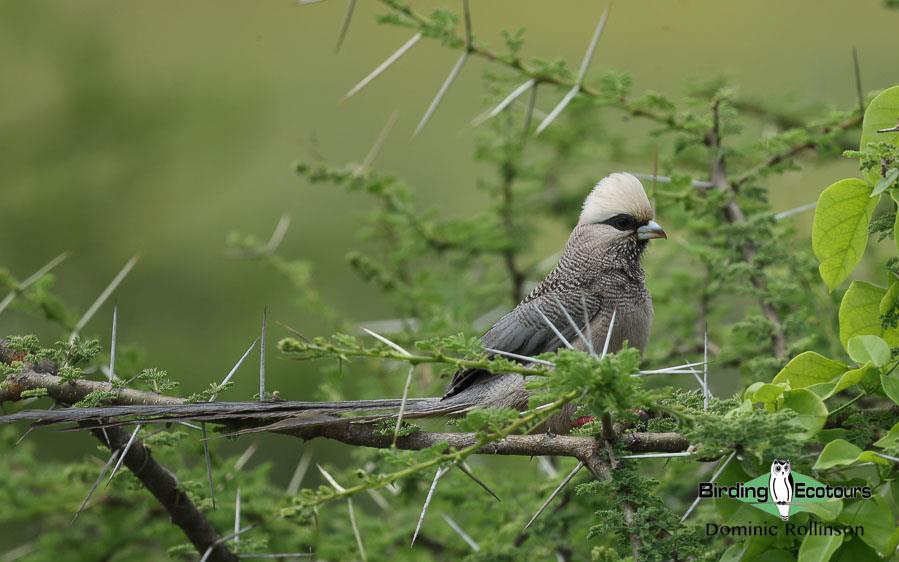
282	413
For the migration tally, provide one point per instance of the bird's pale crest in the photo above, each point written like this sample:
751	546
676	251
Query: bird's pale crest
616	194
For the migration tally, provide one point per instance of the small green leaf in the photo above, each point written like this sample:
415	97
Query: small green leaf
840	228
885	181
890	440
809	368
764	392
866	372
863	349
811	409
882	113
840	452
819	548
891	386
860	311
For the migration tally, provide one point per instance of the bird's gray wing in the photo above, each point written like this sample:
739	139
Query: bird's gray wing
526	330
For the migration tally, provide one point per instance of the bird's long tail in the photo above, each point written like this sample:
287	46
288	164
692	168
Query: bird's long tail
293	414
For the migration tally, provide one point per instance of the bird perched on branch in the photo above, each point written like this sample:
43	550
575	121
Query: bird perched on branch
599	277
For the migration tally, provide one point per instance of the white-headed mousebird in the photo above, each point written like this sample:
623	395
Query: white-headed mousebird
598	274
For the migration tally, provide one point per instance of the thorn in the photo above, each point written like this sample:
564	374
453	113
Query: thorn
112	459
554	493
246	456
521	357
455	527
587	343
125	450
237	516
467	471
234	368
383	66
714	477
706	393
387	342
666	179
582	73
605	346
330	479
795	211
102	298
297	479
505	103
424	509
441	92
278	235
31	280
115	322
858	81
345	24
889	130
553	328
379	499
557	110
544	464
529	115
226	538
656	455
208	459
349	505
379	142
262	358
399	416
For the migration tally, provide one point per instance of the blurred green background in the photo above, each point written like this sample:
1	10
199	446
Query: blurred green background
159	127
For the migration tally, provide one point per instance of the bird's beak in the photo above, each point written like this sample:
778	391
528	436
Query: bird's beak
651	230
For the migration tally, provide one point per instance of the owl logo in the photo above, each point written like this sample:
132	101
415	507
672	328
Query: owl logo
780	484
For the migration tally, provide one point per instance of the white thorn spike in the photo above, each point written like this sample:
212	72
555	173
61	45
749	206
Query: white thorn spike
262	358
379	142
465	537
521	357
554	493
714	477
554	329
505	103
297	479
424	509
31	280
102	298
384	65
234	368
605	346
125	450
441	92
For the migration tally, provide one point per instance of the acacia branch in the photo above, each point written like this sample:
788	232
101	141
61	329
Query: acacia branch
160	482
360	434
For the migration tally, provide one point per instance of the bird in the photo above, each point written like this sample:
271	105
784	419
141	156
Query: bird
598	277
780	484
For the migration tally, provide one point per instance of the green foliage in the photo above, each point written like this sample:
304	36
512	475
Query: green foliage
738	272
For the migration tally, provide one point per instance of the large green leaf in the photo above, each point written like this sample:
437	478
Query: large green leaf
840	452
891	386
860	311
882	113
819	548
864	349
811	409
809	368
875	516
840	228
890	440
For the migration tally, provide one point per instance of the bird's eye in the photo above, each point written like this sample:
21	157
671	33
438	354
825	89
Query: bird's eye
622	222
